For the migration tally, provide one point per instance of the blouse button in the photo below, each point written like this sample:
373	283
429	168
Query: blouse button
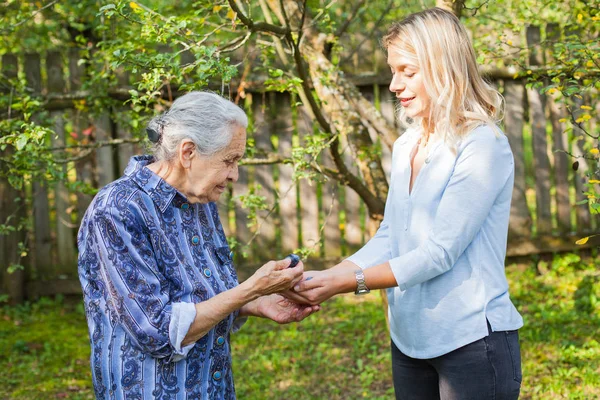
195	239
207	272
185	206
220	340
217	375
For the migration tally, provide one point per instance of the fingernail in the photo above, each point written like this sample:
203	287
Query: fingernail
296	287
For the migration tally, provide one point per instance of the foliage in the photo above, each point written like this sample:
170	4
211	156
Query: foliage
44	348
564	64
121	50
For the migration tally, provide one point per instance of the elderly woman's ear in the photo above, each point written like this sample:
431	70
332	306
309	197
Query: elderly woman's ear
186	153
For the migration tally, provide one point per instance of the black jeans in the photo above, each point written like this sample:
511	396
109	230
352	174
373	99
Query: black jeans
489	368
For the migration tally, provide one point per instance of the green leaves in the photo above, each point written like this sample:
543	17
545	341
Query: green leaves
21	142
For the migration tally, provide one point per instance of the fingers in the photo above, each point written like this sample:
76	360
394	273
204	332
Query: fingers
307	311
282	264
307	284
295	297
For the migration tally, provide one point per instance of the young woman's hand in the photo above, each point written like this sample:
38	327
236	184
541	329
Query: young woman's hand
318	286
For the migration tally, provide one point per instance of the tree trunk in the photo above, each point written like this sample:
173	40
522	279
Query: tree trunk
456	6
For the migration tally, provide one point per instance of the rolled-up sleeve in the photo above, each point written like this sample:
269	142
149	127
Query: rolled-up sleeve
182	317
136	295
481	172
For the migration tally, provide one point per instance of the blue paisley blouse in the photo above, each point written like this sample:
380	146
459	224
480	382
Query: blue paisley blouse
146	256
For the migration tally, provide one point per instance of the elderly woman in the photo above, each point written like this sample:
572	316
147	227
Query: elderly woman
161	294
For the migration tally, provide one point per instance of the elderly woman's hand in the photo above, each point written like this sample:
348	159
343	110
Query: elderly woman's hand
275	277
282	310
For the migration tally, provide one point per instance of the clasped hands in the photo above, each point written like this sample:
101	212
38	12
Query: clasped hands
292	294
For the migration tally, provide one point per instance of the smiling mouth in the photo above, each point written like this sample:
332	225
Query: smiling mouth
406	101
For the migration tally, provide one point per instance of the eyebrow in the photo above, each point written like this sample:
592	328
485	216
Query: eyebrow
404	66
235	155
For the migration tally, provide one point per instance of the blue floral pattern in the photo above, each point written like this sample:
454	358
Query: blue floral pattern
142	248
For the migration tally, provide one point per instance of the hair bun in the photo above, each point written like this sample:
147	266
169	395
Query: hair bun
153	135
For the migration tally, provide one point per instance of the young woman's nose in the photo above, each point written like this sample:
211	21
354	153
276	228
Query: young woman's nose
396	85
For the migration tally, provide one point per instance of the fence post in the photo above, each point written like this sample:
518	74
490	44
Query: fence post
65	235
520	219
263	174
541	164
286	120
42	246
11	212
242	231
84	168
561	145
579	138
309	207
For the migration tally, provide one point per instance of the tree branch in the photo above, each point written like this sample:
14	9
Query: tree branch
371	34
97	145
344	27
269	160
258	26
9	28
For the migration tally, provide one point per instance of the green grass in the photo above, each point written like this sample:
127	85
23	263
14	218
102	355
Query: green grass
341	352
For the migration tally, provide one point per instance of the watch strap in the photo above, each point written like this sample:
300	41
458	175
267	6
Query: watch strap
361	286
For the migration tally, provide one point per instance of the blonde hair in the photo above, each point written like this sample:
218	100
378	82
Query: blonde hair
439	45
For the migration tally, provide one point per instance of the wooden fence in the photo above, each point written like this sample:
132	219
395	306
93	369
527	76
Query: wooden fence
324	216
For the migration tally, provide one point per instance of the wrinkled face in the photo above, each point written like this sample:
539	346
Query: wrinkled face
407	84
208	177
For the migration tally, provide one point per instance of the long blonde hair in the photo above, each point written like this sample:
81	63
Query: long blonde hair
439	45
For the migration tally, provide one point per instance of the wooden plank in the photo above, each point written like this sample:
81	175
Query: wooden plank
541	163
65	232
126	150
547	244
330	211
11	212
84	168
595	164
578	151
242	231
562	165
520	219
354	237
42	252
105	166
122	129
308	199
286	115
261	111
52	287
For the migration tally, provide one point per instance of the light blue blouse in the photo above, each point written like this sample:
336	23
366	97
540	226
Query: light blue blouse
446	243
146	257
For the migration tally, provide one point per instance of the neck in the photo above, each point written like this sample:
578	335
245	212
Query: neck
428	127
172	175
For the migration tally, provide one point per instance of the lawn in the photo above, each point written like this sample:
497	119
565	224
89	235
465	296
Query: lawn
342	352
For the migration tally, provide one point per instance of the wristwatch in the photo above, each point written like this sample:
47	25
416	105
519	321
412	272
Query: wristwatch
361	286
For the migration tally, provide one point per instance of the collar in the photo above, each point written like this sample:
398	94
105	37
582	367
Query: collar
159	191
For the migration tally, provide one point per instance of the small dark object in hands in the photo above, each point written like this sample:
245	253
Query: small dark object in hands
295	260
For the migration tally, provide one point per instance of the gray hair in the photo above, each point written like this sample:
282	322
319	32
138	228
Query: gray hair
205	118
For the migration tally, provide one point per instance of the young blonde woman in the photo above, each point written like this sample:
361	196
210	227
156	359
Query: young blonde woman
441	247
